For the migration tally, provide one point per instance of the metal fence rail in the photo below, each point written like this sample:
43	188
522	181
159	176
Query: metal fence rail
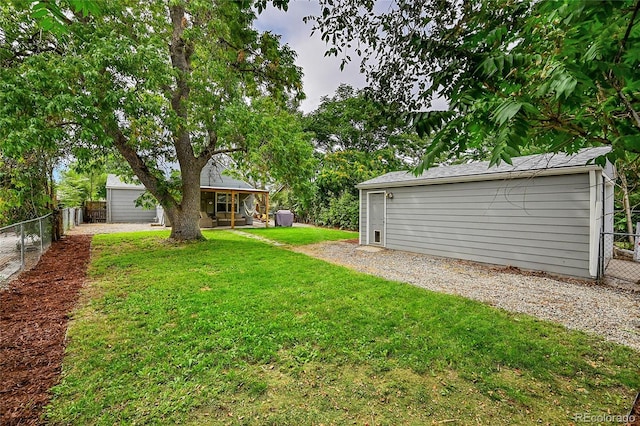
623	256
22	244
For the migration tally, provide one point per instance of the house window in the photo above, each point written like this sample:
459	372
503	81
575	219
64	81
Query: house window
377	236
207	201
223	202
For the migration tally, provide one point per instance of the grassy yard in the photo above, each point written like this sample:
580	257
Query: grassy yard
236	331
302	235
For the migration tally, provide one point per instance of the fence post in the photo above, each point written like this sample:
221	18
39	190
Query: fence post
41	236
636	245
22	245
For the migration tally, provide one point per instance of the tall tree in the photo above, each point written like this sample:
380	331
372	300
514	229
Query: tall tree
80	184
153	81
526	75
26	186
29	121
356	138
283	156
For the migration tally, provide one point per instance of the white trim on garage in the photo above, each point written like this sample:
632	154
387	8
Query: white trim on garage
384	216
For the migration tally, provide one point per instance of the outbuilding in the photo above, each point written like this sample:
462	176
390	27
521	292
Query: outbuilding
543	212
121	202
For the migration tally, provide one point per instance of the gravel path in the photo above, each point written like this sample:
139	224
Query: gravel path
610	312
112	228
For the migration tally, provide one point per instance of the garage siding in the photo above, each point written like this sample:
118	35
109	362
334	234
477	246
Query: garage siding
122	207
539	223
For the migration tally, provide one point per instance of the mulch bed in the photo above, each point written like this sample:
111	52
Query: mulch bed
634	414
34	312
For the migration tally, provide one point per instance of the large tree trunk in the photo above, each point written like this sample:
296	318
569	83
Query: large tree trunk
184	214
184	224
185	217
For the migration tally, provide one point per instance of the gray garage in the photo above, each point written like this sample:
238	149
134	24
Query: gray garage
121	199
544	212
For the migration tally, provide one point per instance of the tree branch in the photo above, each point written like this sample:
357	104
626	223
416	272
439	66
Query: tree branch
181	51
147	178
227	151
627	104
556	123
627	33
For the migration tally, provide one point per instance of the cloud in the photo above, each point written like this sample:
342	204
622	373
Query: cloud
322	74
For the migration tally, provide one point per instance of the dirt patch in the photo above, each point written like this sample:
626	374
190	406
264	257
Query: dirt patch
33	320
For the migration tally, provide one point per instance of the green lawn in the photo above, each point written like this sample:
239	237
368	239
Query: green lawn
302	235
236	331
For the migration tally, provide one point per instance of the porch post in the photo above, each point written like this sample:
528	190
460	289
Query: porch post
266	224
233	209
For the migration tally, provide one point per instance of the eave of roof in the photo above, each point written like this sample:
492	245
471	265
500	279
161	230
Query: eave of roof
523	167
478	178
245	190
114	182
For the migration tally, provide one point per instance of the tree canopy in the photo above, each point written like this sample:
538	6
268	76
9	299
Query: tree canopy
155	82
356	138
518	76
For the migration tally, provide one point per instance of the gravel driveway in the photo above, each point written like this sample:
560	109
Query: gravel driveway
111	228
610	312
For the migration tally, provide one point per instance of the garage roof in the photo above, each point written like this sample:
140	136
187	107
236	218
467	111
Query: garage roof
114	182
530	165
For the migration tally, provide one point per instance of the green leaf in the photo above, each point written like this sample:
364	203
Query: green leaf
506	111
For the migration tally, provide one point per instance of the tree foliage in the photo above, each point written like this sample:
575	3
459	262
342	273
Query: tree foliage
80	184
356	138
29	115
153	82
281	154
527	75
26	187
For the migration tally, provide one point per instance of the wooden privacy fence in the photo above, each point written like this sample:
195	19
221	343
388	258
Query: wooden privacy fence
95	212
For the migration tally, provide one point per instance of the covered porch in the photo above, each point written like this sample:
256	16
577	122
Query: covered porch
223	206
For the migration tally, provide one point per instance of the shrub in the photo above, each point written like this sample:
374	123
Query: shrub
342	213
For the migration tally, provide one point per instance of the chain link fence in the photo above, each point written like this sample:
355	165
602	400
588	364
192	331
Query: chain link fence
22	244
623	261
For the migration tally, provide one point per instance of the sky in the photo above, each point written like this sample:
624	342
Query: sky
322	74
